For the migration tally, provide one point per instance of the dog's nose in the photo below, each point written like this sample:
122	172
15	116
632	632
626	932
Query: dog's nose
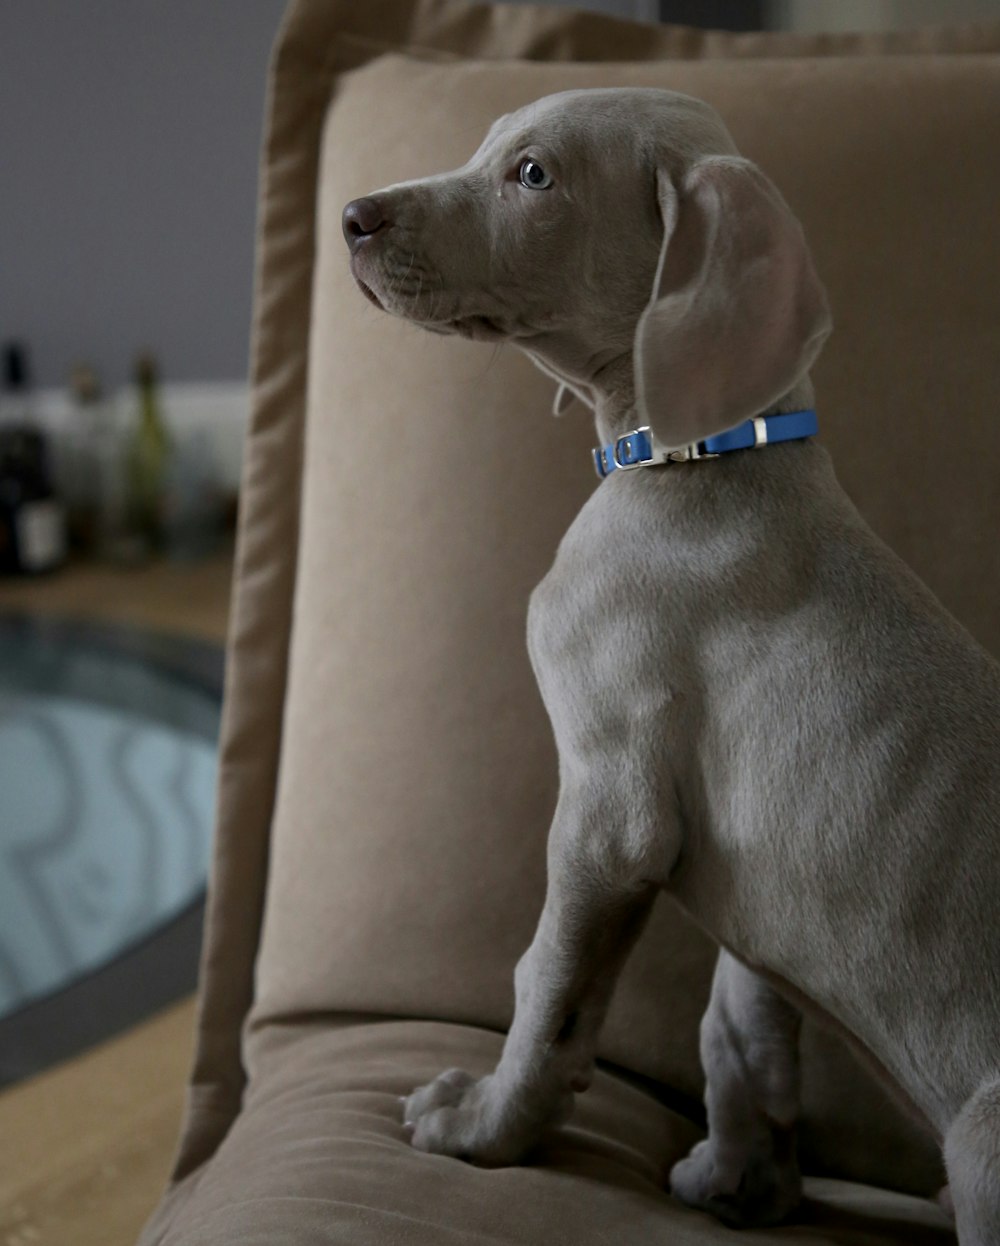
362	218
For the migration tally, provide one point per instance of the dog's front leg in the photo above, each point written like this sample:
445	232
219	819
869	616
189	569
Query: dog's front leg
746	1172
591	918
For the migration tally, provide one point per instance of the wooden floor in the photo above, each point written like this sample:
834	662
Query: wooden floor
85	1148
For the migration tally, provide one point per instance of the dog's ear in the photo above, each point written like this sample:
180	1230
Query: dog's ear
737	314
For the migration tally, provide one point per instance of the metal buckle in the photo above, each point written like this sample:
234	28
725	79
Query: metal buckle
659	455
690	454
627	467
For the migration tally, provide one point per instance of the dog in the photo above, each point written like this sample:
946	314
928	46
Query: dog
758	707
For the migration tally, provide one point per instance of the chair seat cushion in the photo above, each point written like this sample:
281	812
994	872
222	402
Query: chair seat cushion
318	1155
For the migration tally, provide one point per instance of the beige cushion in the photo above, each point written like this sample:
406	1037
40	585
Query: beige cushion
387	770
318	1156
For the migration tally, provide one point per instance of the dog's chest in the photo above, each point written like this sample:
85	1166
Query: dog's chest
601	632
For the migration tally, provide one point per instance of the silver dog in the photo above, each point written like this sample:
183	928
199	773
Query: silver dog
757	706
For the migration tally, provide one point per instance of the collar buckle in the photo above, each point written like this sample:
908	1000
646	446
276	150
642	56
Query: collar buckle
691	453
636	448
633	449
639	448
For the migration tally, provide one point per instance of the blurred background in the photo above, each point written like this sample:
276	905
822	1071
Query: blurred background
129	136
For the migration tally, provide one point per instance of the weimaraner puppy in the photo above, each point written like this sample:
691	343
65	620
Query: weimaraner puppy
758	707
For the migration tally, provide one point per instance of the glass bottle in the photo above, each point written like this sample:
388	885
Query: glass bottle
146	460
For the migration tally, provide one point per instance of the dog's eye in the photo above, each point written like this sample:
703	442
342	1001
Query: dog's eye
532	175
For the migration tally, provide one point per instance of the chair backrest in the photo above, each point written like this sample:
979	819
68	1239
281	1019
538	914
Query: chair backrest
388	771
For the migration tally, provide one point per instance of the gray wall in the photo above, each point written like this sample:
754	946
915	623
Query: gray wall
129	133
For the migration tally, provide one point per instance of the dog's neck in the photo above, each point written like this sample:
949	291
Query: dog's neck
615	408
616	411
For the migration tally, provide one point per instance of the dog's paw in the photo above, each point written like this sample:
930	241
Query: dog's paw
457	1115
758	1193
480	1120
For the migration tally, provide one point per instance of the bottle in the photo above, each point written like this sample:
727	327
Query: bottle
32	521
146	459
77	464
193	515
100	423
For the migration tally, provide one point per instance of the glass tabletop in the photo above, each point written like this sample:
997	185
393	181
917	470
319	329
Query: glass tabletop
107	792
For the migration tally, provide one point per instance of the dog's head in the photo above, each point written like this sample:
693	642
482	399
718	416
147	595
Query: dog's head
599	226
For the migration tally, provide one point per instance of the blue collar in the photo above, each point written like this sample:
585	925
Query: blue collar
639	448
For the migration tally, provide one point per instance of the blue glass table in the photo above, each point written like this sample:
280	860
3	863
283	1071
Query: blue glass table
107	792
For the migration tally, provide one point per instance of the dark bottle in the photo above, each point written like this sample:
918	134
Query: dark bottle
146	459
32	522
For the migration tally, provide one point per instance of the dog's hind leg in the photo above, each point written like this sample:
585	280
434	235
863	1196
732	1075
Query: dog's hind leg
746	1172
972	1156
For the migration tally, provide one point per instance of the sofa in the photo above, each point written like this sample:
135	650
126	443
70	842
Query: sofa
387	772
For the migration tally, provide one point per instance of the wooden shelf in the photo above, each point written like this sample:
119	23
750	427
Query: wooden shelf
191	599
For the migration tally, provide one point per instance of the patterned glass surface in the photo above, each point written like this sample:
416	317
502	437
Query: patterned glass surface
107	789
